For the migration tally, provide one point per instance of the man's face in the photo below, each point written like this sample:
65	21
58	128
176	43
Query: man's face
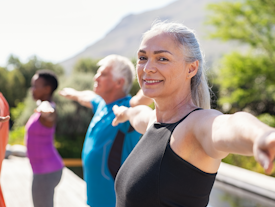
104	82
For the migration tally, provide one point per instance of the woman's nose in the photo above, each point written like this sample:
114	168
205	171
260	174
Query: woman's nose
149	67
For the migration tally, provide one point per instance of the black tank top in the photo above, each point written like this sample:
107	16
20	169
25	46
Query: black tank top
155	176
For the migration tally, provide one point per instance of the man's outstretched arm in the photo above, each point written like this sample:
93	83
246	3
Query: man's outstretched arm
82	97
140	99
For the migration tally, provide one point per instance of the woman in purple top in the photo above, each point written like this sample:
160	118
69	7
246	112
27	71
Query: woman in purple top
45	161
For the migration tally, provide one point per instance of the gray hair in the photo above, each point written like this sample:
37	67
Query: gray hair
191	52
122	67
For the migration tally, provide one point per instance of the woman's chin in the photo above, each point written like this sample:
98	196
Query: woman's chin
35	98
149	93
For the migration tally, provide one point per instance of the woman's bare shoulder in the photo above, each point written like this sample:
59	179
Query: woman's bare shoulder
198	119
205	114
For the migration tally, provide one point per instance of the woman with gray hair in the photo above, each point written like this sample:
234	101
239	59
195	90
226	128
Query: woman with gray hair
176	161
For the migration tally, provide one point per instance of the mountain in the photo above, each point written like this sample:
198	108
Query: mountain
125	38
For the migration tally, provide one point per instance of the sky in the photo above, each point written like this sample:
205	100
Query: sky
55	30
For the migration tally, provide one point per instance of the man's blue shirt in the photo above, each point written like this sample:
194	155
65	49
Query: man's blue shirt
105	149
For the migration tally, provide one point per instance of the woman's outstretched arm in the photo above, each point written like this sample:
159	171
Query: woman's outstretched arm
239	133
48	114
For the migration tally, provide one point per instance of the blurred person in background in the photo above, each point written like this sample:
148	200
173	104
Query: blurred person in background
106	147
45	161
4	134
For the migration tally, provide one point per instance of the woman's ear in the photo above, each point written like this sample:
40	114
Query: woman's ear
193	69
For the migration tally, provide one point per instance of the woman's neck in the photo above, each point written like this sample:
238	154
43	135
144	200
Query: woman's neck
170	110
48	98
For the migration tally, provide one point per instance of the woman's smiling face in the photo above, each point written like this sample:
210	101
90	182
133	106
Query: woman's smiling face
161	68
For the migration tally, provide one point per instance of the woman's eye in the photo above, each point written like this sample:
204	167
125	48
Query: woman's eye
142	58
163	59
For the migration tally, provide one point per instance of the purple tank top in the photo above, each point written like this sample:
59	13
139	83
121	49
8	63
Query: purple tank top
41	152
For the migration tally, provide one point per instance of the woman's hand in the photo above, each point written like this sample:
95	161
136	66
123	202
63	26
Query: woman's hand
4	118
264	150
120	113
48	114
45	107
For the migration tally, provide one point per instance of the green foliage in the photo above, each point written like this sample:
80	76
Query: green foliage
246	162
16	136
86	65
23	111
69	147
16	112
4	81
73	119
247	82
15	79
247	21
29	69
135	88
267	119
12	84
20	116
214	89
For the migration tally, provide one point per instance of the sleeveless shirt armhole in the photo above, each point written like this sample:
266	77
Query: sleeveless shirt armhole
170	150
188	164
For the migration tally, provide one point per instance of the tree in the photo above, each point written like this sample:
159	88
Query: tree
15	79
29	69
16	87
247	21
86	65
246	80
3	80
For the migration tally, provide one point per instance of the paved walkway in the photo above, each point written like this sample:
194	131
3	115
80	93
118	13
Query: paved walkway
16	178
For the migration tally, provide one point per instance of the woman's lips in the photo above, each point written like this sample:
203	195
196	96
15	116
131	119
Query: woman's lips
151	81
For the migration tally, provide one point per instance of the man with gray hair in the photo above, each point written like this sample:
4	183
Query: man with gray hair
106	147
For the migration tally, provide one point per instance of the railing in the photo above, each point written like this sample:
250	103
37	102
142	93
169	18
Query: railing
72	162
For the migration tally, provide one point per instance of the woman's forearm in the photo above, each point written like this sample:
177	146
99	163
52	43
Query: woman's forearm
238	132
